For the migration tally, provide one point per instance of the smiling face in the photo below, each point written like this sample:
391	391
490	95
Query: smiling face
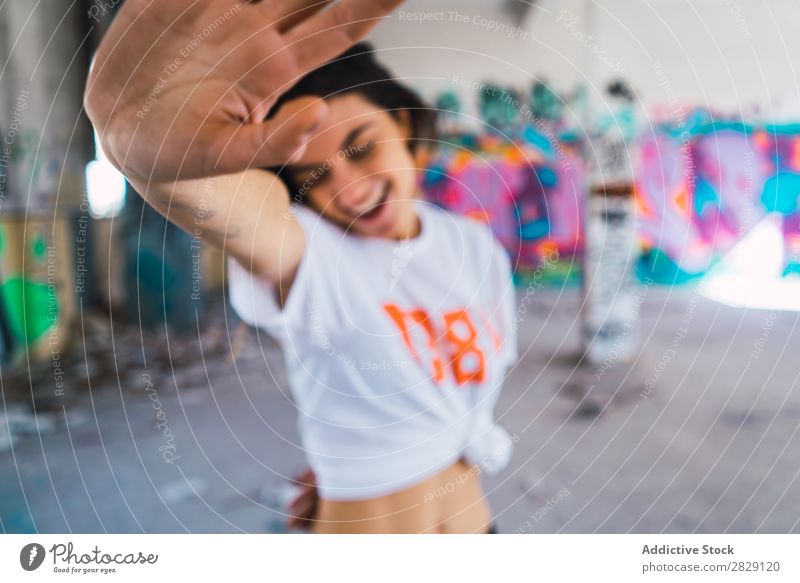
358	170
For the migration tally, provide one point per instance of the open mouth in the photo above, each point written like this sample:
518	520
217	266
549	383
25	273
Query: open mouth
377	208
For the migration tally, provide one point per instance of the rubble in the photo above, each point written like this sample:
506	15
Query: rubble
108	353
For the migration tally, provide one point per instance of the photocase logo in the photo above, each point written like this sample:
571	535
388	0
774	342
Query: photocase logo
31	556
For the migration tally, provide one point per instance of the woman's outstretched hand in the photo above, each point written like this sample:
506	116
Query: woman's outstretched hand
180	89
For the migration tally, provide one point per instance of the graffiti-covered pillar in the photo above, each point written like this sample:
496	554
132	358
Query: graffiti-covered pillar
610	302
610	310
45	142
45	135
611	297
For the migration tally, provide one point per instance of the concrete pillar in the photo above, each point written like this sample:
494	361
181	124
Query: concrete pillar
610	306
45	143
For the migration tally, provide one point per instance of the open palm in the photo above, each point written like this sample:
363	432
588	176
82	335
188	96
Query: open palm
182	89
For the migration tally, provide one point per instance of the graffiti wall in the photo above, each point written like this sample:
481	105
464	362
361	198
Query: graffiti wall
531	199
700	188
700	192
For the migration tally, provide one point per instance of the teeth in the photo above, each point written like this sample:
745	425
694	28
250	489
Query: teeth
372	207
368	209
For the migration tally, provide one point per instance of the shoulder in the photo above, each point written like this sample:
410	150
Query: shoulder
470	230
308	218
474	238
477	236
319	232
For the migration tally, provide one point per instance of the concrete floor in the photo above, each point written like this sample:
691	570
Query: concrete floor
712	448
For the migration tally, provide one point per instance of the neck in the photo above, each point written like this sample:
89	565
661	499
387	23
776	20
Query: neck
412	227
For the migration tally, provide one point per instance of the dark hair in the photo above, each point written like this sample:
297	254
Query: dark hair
357	71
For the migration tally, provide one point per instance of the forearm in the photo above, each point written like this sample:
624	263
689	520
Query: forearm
246	215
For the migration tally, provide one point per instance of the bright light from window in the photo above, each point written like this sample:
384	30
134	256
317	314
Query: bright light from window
750	276
105	186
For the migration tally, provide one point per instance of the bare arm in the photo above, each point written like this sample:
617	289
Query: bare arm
180	91
246	215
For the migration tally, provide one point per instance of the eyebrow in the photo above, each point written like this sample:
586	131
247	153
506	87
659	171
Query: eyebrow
348	140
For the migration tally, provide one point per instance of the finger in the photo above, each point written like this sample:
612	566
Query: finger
290	13
307	496
301	10
319	39
275	142
301	505
303	491
306	477
293	523
302	515
304	512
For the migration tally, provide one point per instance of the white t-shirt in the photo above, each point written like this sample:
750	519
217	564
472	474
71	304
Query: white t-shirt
395	350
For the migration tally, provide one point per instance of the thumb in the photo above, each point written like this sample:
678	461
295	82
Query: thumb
274	142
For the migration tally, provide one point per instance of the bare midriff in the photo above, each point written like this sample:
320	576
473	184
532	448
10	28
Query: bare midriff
451	501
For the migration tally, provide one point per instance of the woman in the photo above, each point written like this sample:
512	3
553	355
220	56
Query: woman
395	317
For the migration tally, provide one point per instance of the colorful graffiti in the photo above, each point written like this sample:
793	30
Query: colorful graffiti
36	283
532	202
701	192
699	189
